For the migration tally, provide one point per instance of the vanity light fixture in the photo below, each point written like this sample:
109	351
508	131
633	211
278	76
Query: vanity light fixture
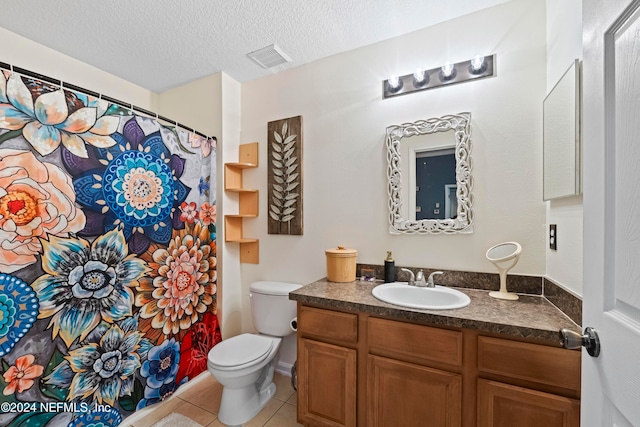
450	73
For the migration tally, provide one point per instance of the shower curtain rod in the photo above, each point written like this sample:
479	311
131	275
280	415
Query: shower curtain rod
84	91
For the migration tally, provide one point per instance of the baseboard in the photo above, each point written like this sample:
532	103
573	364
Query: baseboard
284	368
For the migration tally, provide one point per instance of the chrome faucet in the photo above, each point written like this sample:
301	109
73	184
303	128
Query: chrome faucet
420	282
412	277
430	283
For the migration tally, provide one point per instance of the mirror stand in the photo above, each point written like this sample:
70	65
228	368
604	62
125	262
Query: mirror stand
504	257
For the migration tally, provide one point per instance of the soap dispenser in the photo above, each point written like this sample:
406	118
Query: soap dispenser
389	269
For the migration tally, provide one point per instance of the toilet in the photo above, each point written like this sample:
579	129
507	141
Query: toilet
245	364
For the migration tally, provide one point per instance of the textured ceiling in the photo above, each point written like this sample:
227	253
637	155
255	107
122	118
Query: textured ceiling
160	44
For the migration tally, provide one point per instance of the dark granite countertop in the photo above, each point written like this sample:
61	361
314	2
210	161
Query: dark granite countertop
532	317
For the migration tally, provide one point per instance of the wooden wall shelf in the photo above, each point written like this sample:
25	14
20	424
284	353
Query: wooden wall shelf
247	203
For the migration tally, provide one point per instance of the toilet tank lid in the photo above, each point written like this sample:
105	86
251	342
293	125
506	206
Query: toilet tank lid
273	288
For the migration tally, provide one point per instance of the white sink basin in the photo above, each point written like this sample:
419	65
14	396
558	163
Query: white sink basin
438	298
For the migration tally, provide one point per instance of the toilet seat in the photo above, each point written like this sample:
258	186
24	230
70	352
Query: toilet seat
240	351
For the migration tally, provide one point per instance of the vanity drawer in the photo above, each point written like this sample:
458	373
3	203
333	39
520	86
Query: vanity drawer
537	363
333	325
414	342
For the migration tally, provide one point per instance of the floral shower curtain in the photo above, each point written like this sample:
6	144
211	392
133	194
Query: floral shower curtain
107	256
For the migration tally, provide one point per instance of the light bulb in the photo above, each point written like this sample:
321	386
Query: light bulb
394	84
447	69
419	76
477	62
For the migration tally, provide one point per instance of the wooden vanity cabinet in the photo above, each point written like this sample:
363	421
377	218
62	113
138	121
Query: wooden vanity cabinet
527	384
504	405
359	370
327	384
406	394
414	375
327	367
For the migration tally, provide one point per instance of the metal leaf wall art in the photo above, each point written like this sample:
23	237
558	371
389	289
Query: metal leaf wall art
285	176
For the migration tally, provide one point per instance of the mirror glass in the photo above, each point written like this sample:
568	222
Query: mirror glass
430	182
503	251
429	172
562	137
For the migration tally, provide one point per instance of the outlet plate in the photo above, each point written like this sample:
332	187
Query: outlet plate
553	237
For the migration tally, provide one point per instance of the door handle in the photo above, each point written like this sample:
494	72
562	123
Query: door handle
589	340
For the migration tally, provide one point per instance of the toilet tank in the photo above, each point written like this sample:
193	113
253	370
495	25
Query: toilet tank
271	308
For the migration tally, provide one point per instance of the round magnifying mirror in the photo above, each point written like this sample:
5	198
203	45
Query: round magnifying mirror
504	256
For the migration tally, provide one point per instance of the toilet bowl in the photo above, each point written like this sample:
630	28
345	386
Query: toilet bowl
245	364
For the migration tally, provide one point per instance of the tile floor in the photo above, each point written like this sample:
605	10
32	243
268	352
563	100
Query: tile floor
200	402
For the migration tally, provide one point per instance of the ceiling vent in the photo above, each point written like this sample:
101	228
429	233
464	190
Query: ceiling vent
269	57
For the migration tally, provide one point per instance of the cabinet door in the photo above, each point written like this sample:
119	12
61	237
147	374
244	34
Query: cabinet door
504	405
326	384
408	395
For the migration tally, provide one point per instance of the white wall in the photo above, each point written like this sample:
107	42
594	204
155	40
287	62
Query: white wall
229	253
24	53
344	121
196	104
564	44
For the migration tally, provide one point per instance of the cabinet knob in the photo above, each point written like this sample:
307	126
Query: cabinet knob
589	340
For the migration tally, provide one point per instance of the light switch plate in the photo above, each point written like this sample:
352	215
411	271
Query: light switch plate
553	237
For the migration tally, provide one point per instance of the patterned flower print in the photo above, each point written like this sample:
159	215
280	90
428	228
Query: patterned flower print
204	186
160	371
104	365
47	121
156	395
181	286
18	311
106	418
139	187
86	283
21	376
107	255
189	212
133	185
94	279
161	365
208	213
7	314
36	199
196	345
205	144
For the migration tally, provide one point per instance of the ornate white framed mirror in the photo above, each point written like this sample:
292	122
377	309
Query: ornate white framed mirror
429	176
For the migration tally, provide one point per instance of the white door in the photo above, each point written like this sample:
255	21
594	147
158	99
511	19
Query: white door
611	149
